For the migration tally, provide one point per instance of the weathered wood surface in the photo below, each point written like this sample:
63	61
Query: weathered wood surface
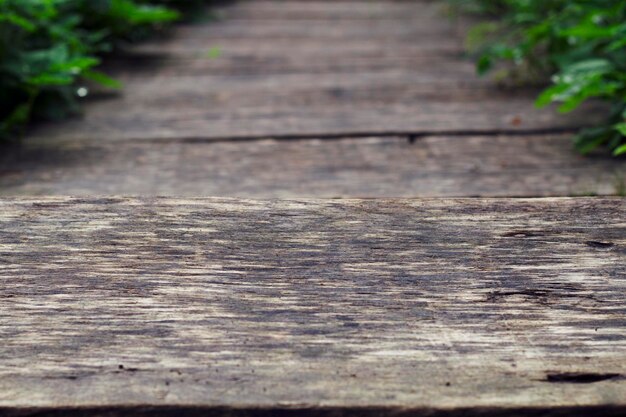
343	10
430	24
433	45
312	45
311	120
283	44
132	65
351	307
360	167
282	92
205	99
311	70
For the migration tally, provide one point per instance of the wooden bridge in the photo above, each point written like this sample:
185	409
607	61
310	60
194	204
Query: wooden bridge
274	252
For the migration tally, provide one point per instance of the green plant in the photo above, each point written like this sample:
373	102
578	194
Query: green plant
48	46
579	45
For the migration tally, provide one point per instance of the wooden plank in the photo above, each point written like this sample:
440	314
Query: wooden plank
133	65
304	48
373	94
431	22
358	167
440	94
324	10
429	30
179	121
369	307
313	104
279	45
366	87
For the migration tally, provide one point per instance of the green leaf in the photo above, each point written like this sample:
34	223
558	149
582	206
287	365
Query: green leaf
18	21
484	64
595	65
141	14
589	139
621	150
76	66
18	117
44	80
582	41
550	94
621	128
102	79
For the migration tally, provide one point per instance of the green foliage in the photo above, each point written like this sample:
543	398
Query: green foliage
579	45
48	46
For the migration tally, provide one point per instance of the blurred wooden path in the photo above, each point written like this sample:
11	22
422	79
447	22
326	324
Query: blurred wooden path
117	303
310	99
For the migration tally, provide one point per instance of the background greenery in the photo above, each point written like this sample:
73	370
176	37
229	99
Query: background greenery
47	46
578	46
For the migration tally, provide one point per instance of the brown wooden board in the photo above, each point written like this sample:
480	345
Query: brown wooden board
358	167
282	45
432	21
135	64
324	10
421	25
355	307
359	82
427	33
267	110
302	49
365	89
312	45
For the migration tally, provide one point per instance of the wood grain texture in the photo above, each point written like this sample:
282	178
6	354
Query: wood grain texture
135	64
177	120
241	307
324	10
432	21
309	46
426	34
425	45
361	167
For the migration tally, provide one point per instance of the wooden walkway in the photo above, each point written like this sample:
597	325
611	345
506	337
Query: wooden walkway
353	81
121	306
226	307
